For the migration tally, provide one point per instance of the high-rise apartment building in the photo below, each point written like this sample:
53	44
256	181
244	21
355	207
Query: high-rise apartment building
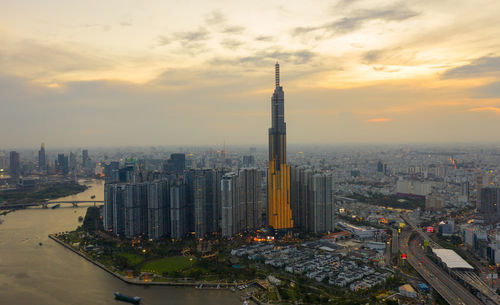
301	197
323	203
279	209
199	188
113	211
490	203
229	202
136	209
250	200
178	204
158	209
176	164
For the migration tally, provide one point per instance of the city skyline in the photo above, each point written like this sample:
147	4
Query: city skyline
197	74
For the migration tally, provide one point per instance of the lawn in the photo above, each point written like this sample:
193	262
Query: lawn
133	259
168	264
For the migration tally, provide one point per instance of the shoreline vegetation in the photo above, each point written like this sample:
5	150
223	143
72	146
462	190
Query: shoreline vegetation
136	280
189	262
41	193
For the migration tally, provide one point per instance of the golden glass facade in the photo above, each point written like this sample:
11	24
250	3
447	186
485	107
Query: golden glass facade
279	209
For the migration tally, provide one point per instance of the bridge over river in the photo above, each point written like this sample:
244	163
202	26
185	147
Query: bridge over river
47	204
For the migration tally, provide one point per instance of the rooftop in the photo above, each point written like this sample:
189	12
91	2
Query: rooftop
451	259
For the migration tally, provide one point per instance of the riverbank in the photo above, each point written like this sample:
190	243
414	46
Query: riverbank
42	193
136	281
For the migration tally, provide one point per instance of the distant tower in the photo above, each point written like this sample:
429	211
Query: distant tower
279	210
42	161
85	158
15	165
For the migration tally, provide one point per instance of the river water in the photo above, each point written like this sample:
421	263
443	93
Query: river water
51	274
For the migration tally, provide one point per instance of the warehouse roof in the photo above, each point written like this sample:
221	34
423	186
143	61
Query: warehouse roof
451	259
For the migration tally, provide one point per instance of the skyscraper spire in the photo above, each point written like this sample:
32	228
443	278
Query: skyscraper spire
280	213
277	73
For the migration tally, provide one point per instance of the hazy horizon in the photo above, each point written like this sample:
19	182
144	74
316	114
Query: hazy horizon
128	73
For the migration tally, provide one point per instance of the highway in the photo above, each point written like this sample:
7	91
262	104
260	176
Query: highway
452	291
470	278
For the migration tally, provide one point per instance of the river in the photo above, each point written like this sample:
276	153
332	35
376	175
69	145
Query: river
51	274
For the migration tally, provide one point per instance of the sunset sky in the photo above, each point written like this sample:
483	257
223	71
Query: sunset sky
117	72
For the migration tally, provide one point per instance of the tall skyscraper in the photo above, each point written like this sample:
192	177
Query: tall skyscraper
229	202
301	197
323	203
178	222
62	164
279	210
15	165
85	158
249	183
72	162
158	209
42	161
200	204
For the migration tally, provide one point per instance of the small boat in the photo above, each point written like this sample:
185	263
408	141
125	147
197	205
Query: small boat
126	298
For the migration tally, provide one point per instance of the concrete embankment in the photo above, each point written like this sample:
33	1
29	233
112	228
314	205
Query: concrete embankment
206	285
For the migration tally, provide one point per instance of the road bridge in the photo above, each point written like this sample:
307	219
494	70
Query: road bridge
45	204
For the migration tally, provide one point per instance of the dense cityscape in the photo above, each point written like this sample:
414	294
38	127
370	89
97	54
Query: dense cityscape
232	152
371	220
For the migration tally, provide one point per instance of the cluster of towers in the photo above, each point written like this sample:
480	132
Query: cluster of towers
175	204
177	201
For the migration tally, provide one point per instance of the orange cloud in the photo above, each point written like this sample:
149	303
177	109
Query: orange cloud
482	109
378	120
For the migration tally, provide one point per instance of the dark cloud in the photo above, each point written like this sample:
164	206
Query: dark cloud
390	57
487	91
234	29
384	69
484	66
215	18
163	40
265	38
231	44
357	18
193	41
372	56
199	35
345	3
266	58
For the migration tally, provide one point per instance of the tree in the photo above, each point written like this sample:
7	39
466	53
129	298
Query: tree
92	221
